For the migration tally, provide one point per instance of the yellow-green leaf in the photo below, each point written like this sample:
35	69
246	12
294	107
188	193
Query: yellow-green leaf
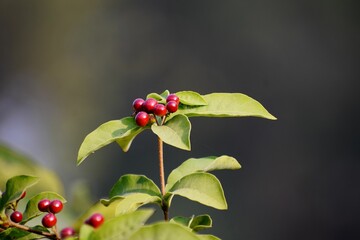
227	105
175	132
205	164
123	131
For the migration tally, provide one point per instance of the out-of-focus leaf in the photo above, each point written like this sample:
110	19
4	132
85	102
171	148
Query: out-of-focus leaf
122	227
164	231
14	163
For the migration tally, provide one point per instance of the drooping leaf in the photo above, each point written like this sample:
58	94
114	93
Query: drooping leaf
175	132
125	142
196	223
201	187
132	183
191	98
32	211
226	105
123	131
15	186
123	226
164	231
205	164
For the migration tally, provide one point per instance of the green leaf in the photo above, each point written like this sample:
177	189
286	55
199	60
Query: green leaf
85	232
130	202
226	105
159	97
196	223
13	233
201	187
191	98
131	192
32	211
15	186
205	164
19	234
164	231
133	201
107	211
175	132
14	163
125	142
201	222
123	226
123	131
208	237
132	183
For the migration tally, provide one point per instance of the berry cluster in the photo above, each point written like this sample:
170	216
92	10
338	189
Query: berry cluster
147	110
51	207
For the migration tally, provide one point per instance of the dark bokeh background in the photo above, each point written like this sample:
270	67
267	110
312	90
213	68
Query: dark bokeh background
68	66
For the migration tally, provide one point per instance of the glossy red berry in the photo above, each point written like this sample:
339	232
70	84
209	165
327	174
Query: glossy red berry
23	195
160	110
172	106
43	205
55	206
137	104
16	216
67	232
142	119
173	97
49	220
95	220
149	105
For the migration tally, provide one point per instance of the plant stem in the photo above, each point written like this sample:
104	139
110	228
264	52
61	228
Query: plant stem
26	228
162	178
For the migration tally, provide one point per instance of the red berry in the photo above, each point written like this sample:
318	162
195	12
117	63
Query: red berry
142	119
23	195
43	205
173	97
55	206
67	232
172	106
49	220
16	216
149	105
95	220
137	104
160	110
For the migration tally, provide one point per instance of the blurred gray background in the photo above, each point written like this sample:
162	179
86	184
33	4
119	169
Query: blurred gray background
68	66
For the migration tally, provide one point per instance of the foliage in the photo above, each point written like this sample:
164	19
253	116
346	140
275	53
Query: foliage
125	216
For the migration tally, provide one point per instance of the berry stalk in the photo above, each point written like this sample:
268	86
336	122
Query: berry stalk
162	178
